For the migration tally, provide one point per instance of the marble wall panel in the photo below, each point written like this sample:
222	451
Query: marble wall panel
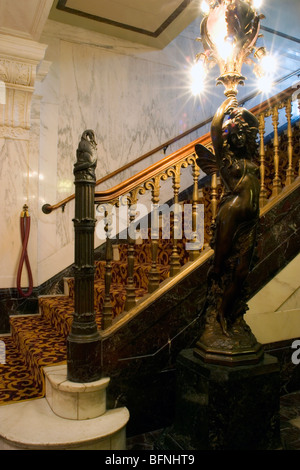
18	176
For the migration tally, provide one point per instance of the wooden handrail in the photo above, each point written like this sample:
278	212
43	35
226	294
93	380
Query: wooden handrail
170	160
270	102
111	193
151	171
48	208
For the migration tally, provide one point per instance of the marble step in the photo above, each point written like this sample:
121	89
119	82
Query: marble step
48	431
281	293
274	312
273	327
71	417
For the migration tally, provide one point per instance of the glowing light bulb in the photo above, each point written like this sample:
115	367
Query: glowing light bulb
225	49
197	88
257	3
197	75
204	7
269	64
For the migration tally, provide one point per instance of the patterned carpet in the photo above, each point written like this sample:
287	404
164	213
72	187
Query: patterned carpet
33	345
16	381
39	340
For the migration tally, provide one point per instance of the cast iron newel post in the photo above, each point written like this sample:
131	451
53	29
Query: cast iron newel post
83	343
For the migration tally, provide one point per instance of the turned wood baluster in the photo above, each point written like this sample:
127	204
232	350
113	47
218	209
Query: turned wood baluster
289	171
214	192
263	189
153	273
276	181
130	287
107	312
193	254
174	259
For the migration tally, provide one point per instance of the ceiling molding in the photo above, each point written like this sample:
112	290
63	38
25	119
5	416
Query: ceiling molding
168	26
24	18
61	5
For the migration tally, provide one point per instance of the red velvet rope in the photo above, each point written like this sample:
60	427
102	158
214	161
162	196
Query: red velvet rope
25	230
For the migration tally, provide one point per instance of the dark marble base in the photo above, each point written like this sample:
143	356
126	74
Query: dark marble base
289	372
289	411
12	303
225	408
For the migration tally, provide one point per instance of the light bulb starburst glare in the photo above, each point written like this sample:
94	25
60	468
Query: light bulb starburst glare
197	78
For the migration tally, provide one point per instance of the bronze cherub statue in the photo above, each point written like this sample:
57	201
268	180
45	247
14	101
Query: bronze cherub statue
234	229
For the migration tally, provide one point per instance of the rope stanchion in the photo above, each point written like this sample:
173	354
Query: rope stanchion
25	231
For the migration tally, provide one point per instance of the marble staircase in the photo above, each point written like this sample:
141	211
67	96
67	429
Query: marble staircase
40	339
274	312
71	416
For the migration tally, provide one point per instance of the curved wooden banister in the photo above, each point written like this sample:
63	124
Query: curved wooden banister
119	189
270	102
151	171
48	208
172	159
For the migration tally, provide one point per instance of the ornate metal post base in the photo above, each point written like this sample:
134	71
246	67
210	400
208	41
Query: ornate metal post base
83	343
84	360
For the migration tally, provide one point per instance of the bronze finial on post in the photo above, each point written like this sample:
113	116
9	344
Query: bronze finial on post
83	342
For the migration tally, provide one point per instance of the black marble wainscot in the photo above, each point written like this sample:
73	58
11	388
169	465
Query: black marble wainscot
225	408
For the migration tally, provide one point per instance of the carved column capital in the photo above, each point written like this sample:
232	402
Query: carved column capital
19	59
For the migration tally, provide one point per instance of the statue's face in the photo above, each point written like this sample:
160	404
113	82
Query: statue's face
237	137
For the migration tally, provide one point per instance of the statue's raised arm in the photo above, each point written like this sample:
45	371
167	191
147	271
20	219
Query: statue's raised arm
216	131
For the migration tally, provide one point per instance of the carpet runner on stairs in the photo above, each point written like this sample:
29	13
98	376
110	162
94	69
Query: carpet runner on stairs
39	340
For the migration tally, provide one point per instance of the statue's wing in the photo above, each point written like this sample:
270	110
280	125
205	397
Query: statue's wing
206	160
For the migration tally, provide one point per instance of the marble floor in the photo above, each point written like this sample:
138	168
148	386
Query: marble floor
289	424
290	421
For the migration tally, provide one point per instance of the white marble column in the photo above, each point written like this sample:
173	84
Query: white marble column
19	151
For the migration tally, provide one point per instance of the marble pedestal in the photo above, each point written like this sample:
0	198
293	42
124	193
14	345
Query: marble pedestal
72	416
225	408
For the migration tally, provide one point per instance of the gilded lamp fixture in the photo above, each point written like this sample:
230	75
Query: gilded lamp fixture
229	32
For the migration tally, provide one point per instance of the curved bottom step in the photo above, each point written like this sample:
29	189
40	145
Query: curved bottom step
48	431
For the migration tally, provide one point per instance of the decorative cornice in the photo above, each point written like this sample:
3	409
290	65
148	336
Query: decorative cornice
19	61
21	49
